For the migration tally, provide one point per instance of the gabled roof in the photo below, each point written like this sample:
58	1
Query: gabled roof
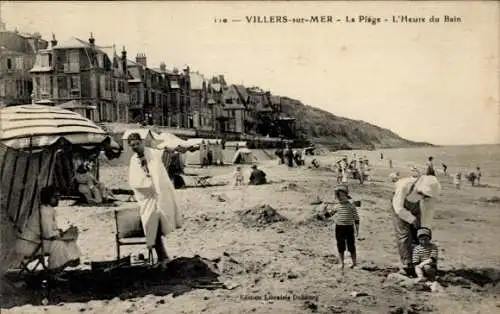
72	42
136	75
242	91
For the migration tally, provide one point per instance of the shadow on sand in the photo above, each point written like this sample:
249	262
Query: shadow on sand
463	277
182	275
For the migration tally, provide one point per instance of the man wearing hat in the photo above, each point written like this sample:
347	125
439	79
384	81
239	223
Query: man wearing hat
257	176
412	208
425	256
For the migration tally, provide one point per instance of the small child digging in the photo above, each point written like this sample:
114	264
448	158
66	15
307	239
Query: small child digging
425	256
346	224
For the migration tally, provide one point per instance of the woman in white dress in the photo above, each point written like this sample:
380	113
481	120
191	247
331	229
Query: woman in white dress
42	229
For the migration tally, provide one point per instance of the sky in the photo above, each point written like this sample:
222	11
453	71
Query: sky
435	82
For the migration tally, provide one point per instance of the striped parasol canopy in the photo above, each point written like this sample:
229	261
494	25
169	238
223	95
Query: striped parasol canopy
38	126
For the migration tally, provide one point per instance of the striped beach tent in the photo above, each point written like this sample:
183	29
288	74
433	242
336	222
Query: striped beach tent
37	148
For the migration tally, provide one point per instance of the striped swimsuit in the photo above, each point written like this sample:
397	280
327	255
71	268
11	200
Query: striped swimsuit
421	253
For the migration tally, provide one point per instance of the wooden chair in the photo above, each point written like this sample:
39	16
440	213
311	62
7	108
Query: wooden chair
129	230
39	257
38	254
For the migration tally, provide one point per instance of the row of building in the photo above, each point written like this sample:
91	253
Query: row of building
106	85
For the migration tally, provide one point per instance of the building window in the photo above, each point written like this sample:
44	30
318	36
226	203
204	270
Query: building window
43	60
45	85
73	60
20	87
74	82
62	87
19	63
9	64
133	98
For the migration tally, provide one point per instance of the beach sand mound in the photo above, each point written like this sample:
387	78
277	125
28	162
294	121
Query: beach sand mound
321	213
490	199
260	216
292	186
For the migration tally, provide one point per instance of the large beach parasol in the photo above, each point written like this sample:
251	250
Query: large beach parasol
37	126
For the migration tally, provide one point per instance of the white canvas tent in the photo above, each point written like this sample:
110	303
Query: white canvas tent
170	141
243	156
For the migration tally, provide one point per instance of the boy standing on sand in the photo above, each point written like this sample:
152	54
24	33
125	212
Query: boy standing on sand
425	256
346	224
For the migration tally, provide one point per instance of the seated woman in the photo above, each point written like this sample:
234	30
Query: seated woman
257	176
42	229
94	191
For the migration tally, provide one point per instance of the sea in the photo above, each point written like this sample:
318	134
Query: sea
457	158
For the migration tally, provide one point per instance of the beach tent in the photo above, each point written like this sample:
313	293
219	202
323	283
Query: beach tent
236	144
243	156
203	145
37	148
170	141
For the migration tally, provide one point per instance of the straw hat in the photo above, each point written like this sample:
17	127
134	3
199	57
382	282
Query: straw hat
428	185
342	187
424	232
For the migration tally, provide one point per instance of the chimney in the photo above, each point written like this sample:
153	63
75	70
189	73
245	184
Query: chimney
124	60
141	59
163	67
92	40
53	42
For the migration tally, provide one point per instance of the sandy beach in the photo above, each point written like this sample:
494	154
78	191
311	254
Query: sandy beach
228	259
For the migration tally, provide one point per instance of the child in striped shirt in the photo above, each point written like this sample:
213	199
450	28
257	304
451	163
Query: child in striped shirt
425	256
346	224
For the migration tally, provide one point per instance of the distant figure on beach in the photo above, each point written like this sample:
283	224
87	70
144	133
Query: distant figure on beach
155	193
425	256
471	177
412	208
430	167
445	168
281	156
478	175
92	190
390	163
457	179
361	170
314	163
238	176
415	173
289	156
394	177
257	177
